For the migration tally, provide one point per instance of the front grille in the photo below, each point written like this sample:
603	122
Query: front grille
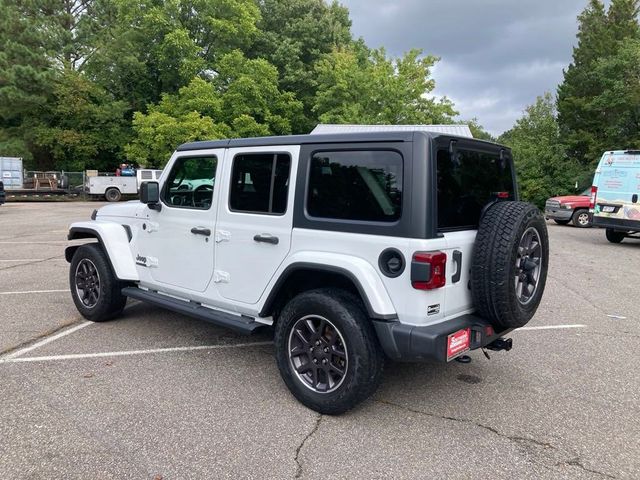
552	204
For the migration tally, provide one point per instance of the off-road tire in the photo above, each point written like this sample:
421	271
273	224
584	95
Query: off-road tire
112	195
615	236
494	271
110	301
578	218
562	222
365	359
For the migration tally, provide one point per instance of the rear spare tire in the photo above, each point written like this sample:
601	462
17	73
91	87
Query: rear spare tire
510	262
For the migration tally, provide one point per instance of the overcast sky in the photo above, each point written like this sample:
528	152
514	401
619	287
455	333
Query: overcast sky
497	56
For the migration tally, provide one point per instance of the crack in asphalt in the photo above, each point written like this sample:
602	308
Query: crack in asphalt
576	462
37	338
513	438
302	444
31	263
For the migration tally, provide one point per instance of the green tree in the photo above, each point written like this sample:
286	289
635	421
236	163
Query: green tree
357	85
26	81
601	34
294	35
155	47
242	99
617	108
85	127
541	163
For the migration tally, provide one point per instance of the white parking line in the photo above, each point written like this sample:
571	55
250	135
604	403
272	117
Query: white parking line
25	260
552	327
13	355
52	242
76	356
25	292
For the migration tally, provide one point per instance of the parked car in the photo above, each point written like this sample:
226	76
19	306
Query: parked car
614	195
112	188
570	208
351	246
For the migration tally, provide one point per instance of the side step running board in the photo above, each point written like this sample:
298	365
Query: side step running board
237	323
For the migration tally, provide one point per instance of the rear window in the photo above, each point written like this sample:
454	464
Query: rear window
467	181
356	185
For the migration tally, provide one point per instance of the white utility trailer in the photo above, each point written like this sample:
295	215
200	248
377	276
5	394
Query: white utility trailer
114	187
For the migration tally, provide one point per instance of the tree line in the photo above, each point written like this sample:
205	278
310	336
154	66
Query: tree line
92	83
89	83
559	140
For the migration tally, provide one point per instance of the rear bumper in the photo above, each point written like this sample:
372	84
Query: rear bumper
413	343
619	224
558	214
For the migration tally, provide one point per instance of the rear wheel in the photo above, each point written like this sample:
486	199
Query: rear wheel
615	236
510	261
94	287
581	218
562	222
327	351
112	195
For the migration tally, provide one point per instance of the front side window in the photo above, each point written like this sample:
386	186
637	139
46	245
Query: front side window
361	185
260	183
190	183
467	181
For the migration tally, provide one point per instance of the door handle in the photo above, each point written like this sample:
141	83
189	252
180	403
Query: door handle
266	238
201	231
457	258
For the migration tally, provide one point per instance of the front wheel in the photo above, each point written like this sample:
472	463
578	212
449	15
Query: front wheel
327	351
94	288
581	218
615	236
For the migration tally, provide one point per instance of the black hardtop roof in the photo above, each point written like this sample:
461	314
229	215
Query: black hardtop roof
382	136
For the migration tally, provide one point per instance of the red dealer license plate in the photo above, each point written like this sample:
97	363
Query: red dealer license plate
458	342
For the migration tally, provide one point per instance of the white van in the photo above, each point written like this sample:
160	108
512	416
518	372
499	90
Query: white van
614	194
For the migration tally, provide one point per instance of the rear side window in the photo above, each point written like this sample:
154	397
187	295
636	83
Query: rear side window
260	183
467	181
356	185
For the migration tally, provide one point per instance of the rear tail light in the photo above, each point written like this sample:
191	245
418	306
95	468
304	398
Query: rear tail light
428	270
592	200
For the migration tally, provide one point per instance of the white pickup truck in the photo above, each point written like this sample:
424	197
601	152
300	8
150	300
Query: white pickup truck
113	187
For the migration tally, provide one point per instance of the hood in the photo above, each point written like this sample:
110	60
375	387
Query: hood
124	209
571	198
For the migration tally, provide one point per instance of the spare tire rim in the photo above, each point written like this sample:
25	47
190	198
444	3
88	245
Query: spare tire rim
87	283
317	353
528	265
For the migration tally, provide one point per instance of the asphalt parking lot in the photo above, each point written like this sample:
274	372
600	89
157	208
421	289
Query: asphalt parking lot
156	395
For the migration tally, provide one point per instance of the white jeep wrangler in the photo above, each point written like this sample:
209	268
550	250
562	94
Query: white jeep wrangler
351	246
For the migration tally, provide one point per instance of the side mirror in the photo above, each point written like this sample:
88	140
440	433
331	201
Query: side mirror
150	194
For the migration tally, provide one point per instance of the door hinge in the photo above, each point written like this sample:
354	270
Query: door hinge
221	277
222	236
